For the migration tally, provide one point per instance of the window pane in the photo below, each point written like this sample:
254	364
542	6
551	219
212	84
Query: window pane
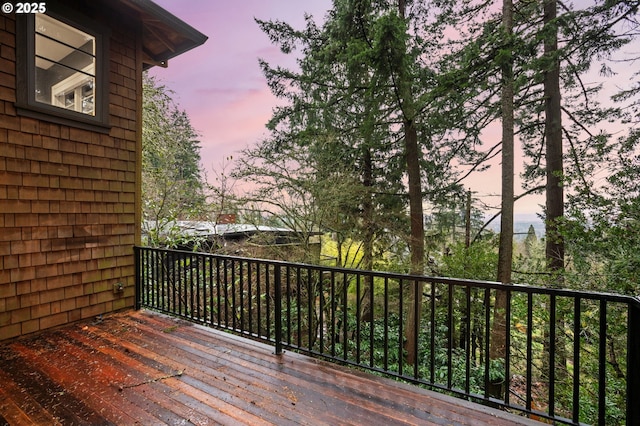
65	66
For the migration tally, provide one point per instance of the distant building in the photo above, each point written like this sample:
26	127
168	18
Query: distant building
238	239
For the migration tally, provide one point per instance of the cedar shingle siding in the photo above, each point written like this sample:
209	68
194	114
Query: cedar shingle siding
67	201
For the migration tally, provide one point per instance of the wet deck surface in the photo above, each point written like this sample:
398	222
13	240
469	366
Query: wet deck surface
145	368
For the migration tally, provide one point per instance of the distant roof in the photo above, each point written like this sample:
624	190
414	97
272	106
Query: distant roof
164	36
229	230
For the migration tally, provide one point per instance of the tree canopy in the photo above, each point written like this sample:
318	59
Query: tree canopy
173	187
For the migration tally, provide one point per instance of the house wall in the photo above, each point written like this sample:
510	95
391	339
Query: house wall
67	201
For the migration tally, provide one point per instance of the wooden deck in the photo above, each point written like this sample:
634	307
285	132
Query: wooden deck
146	368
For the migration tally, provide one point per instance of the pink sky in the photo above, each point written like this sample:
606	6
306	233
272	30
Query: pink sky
223	91
220	84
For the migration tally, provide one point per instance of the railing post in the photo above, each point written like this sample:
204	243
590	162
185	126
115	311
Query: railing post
138	280
278	309
633	363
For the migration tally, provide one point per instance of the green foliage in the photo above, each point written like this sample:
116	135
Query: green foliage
172	183
602	228
376	337
479	261
362	74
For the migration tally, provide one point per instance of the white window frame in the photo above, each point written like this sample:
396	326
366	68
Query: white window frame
75	84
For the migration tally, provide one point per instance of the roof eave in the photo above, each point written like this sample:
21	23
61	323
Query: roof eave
152	16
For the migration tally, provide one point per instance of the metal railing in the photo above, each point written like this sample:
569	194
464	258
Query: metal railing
571	357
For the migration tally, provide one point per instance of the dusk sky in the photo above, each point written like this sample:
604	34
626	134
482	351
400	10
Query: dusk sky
220	84
223	91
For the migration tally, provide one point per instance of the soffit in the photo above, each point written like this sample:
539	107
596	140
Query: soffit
164	35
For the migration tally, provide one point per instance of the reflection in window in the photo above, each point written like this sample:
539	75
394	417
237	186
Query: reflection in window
65	66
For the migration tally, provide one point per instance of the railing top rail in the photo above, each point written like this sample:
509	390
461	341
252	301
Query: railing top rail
520	288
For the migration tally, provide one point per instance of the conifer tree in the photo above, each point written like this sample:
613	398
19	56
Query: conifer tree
173	187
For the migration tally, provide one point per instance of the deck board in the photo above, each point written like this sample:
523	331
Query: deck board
146	368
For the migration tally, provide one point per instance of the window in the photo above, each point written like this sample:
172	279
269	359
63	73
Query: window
65	60
65	78
75	92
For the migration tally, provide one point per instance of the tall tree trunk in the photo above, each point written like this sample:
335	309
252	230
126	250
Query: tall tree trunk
415	198
366	310
554	249
505	253
467	221
554	243
416	239
498	347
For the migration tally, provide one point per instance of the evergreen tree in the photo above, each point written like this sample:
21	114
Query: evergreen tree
172	184
364	93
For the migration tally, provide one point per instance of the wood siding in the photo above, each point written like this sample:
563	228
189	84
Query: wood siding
67	200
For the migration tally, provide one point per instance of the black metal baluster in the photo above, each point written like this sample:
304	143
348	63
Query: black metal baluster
529	349
250	303
487	341
332	312
288	279
310	308
298	307
602	364
192	288
467	341
226	292
180	284
507	356
241	284
371	319
219	292
449	335
278	308
344	316
432	342
552	356
417	288
234	305
267	292
259	298
211	296
147	282
183	286
400	326
165	282
577	320
386	324
357	315
321	318
174	282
